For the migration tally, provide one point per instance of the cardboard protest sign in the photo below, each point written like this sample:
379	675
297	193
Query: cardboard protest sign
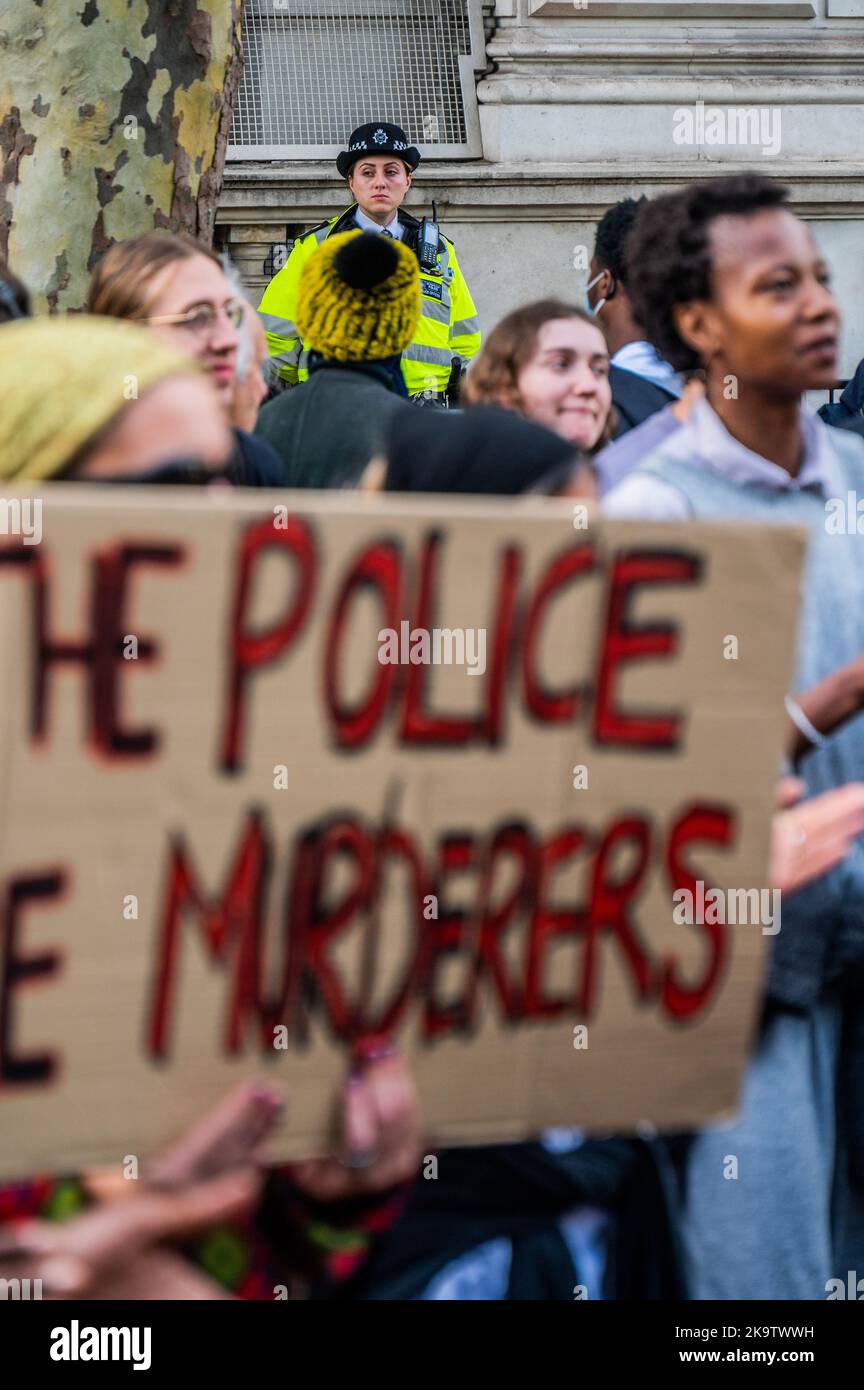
283	770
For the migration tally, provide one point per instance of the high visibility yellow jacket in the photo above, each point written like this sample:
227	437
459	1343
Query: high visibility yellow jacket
448	326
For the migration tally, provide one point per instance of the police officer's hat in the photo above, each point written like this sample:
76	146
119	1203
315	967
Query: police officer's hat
378	137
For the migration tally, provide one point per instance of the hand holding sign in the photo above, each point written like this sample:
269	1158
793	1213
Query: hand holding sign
380	1134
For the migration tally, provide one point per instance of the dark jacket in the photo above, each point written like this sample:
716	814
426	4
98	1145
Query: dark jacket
848	411
635	398
520	1192
327	429
254	463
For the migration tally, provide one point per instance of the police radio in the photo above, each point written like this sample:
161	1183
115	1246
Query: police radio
427	244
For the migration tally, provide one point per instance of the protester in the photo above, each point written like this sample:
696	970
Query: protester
533	1220
550	363
178	288
358	300
642	382
732	283
121	403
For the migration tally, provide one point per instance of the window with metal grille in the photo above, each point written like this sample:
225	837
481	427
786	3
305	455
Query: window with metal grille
315	69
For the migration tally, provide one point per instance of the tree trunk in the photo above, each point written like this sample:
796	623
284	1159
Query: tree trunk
114	119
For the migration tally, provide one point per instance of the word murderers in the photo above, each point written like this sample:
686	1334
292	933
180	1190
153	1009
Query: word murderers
315	919
231	926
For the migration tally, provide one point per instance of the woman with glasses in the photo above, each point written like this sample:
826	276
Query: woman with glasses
178	288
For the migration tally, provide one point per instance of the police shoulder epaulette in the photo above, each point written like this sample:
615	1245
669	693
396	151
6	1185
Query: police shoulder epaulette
312	230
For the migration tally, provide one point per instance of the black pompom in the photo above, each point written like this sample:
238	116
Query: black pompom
366	260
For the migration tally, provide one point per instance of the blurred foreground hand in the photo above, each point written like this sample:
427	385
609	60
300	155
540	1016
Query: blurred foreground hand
811	837
109	1252
212	1176
380	1135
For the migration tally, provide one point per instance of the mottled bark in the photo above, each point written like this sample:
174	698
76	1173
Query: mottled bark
114	119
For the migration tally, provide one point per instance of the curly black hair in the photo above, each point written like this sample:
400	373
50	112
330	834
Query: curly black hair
668	255
613	229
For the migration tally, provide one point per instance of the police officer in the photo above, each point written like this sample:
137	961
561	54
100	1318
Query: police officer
379	165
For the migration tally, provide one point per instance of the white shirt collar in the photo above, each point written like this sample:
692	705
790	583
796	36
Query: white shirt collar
394	226
705	440
642	358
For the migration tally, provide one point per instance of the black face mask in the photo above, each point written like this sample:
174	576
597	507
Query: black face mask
182	472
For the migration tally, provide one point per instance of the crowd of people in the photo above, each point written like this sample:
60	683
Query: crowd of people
675	392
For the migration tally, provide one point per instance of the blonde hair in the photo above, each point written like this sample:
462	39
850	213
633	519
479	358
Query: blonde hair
119	283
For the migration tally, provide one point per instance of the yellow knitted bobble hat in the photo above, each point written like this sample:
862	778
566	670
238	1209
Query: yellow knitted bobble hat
63	380
358	297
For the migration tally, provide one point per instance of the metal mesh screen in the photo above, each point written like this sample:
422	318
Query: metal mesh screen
315	69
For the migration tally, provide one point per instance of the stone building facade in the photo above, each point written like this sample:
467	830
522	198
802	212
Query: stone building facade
582	102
